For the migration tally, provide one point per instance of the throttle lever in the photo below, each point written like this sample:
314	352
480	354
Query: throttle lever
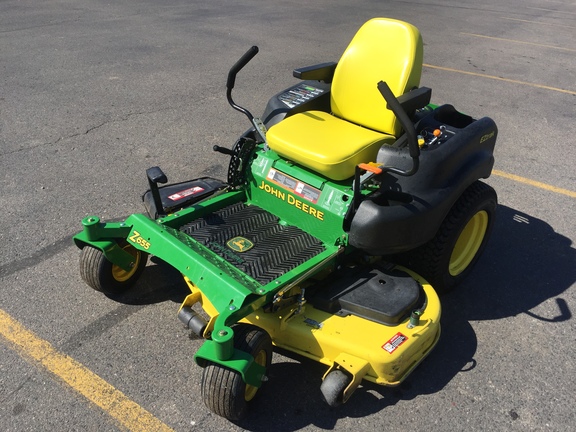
223	150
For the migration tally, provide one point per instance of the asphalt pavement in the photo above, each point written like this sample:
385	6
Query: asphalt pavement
93	92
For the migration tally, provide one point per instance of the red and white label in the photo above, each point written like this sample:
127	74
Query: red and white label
394	342
186	193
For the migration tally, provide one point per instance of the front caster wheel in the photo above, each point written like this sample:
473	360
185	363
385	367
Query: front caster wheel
223	390
101	275
333	387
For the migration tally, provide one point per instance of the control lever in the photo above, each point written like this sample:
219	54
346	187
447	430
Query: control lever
223	150
256	122
156	175
413	148
248	55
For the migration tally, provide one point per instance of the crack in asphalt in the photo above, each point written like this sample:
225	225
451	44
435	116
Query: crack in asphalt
44	253
97	328
39	256
52	24
27	379
122	118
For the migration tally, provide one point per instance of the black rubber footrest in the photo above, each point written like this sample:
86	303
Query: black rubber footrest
252	240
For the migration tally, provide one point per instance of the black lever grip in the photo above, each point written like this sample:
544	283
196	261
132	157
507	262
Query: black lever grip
223	150
249	55
395	106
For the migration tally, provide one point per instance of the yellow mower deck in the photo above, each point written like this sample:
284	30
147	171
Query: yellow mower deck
361	348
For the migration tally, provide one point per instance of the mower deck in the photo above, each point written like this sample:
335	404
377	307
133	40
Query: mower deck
363	348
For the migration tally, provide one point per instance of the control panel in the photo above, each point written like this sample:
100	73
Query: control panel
298	95
436	126
434	136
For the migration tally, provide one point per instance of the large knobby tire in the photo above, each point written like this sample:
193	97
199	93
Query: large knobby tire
101	275
223	390
450	256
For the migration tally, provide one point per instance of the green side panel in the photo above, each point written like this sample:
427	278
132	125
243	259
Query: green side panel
299	197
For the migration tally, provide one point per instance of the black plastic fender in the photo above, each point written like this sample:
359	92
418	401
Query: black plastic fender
406	212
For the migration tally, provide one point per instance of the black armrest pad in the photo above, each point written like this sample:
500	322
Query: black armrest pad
320	72
415	99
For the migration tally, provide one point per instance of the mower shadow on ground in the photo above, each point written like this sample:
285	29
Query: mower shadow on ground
160	282
524	265
293	391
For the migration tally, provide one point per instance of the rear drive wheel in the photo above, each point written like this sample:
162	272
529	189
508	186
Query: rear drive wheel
450	256
103	276
223	390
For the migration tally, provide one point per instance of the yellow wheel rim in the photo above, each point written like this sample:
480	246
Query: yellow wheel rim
121	275
251	391
468	243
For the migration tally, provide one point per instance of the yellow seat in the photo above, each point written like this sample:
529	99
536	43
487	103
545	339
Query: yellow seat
334	143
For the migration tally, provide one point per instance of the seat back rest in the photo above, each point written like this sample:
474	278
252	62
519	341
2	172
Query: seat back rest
383	49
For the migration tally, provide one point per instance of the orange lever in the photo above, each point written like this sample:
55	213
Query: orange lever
371	168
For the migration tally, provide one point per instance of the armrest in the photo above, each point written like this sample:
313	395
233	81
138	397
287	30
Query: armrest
320	72
415	99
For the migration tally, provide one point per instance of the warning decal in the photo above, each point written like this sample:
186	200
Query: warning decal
394	342
295	186
186	193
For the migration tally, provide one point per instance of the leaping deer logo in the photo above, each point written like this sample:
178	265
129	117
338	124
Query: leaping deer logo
240	244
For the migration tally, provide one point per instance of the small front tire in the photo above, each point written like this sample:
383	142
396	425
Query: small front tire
104	276
333	387
223	390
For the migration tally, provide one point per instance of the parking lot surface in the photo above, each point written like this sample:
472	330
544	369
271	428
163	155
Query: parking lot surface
92	93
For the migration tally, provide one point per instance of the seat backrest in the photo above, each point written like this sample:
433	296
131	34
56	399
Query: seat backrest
383	49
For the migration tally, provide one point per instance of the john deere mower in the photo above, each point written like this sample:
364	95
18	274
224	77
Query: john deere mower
349	206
